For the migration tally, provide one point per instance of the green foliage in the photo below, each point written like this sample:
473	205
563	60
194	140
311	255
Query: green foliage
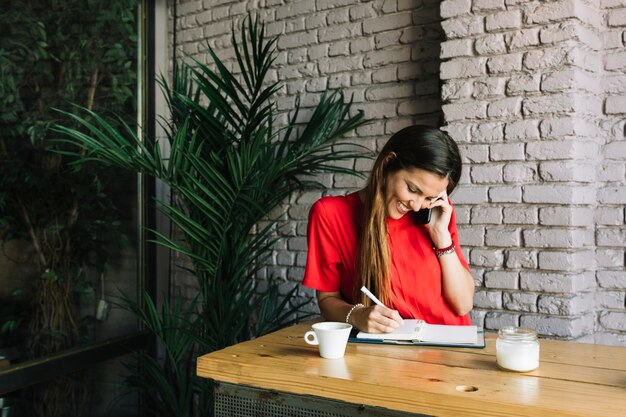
54	53
230	170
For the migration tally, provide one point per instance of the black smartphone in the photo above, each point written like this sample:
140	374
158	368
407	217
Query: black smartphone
421	216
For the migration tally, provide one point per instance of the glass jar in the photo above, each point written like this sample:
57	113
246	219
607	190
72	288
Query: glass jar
517	349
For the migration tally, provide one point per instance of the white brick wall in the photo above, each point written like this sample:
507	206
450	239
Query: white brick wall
535	95
554	235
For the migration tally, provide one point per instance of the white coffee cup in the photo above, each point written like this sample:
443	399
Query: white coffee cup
331	336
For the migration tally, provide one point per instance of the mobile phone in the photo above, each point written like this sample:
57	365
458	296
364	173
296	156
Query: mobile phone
421	216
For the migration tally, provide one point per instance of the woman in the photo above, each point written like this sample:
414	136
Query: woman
369	238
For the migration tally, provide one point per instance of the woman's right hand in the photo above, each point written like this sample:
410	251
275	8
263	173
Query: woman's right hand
375	319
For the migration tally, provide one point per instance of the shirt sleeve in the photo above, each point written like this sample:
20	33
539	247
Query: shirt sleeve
321	271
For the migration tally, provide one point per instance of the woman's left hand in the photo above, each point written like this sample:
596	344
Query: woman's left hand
439	221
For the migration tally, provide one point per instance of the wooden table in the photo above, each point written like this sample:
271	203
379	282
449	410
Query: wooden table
573	379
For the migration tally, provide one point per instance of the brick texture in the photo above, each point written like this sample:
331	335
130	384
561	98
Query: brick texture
535	95
549	149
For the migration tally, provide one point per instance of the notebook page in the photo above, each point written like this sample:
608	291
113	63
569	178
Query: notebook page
441	333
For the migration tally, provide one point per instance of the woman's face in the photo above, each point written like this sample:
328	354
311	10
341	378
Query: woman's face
411	190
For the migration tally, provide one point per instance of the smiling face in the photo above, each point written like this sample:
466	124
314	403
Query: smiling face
411	190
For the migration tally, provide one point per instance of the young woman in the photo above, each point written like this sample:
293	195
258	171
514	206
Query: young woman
371	238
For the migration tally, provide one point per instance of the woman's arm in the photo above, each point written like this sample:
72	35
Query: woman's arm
457	284
374	319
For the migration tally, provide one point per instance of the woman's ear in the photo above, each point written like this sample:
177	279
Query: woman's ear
390	157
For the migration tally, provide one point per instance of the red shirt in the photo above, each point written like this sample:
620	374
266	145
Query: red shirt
416	279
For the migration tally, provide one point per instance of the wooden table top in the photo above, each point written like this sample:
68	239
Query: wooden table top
573	379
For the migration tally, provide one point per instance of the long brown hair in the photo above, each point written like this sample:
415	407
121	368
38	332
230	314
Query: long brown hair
417	146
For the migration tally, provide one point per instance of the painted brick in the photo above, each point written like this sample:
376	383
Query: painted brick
553	57
488	299
617	18
615	105
463	111
487	132
463	26
456	48
609	216
614	83
557	238
520	215
615	61
384	75
507	152
553	11
558	194
565	216
388	22
614	320
511	194
470	195
504	64
611	171
610	299
566	261
615	150
521	39
458	132
462	68
387	39
610	258
489	87
567	31
388	92
490	44
486	215
520	301
567	171
508	107
486	257
471	236
335	33
612	195
455	90
569	79
559	326
294	9
523	83
575	150
613	236
521	259
497	320
520	173
474	153
486	174
612	279
505	237
421	106
385	57
556	282
452	8
361	11
502	279
503	20
522	130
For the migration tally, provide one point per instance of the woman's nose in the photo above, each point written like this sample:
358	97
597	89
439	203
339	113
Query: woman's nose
419	204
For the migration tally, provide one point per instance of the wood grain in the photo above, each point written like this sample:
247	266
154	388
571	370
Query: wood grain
573	379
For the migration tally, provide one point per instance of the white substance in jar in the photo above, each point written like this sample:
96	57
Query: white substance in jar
517	349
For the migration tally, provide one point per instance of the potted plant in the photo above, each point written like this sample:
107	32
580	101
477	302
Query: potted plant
230	168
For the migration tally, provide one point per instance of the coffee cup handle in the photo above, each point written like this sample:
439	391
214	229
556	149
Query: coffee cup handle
312	341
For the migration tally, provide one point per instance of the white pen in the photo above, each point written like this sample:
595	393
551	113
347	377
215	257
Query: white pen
372	296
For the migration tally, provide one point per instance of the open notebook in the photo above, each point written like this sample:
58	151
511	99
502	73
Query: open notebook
418	332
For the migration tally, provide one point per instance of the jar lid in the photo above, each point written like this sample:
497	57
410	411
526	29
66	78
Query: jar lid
517	333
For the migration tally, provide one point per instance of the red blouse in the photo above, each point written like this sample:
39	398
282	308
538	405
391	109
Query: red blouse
416	279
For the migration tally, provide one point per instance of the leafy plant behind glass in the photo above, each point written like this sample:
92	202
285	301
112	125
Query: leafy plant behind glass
53	53
230	169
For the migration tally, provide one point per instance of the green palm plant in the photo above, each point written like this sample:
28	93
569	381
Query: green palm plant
230	169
